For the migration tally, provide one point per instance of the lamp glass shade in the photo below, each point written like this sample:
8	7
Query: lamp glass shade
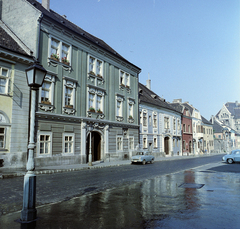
35	75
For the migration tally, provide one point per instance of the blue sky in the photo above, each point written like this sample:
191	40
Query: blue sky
190	48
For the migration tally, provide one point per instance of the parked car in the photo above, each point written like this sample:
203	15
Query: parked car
234	156
143	157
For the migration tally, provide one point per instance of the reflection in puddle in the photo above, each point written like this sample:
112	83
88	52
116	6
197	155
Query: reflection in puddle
155	203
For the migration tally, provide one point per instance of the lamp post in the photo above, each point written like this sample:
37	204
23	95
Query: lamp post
35	76
90	128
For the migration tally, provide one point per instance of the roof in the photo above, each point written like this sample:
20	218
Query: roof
7	42
75	29
148	96
177	106
217	128
234	109
205	121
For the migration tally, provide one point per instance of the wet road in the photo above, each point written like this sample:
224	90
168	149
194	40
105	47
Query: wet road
52	188
205	197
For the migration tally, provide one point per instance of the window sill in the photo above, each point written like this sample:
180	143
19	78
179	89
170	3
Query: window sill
131	120
46	107
69	111
119	118
55	63
92	114
3	150
123	87
92	77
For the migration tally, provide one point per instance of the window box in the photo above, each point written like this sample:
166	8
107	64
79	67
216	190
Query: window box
92	73
55	57
65	61
46	102
99	111
100	76
130	116
69	106
91	109
127	86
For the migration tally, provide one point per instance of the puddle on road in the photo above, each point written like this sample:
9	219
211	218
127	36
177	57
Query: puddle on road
155	203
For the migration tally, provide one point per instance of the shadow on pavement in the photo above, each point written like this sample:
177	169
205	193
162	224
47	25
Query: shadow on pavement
227	168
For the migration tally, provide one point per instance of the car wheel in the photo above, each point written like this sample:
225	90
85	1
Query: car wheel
230	161
152	161
143	162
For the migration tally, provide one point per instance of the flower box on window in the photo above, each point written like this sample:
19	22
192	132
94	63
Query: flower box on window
69	106
65	61
122	85
99	111
99	75
92	73
130	116
46	102
127	86
55	57
91	109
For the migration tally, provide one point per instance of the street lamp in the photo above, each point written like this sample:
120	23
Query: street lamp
35	75
90	128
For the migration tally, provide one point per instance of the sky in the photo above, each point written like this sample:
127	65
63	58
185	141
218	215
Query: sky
190	49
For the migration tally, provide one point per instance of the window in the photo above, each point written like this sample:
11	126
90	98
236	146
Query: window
2	137
166	122
95	66
144	119
46	92
150	120
174	142
184	128
95	100
68	143
144	143
59	51
4	80
44	143
184	145
178	124
119	106
124	79
131	103
119	143
174	124
69	88
189	130
155	121
131	143
155	142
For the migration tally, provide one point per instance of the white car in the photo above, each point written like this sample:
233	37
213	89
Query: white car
142	157
234	156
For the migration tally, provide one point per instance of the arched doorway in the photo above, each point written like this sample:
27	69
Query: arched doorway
166	145
95	145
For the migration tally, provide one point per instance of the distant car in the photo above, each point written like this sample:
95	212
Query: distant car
234	156
143	157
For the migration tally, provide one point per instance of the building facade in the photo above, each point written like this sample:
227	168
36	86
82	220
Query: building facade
88	103
187	136
160	125
208	142
14	99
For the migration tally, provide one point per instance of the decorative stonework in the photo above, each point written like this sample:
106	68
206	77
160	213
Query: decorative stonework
70	111
131	120
46	107
119	118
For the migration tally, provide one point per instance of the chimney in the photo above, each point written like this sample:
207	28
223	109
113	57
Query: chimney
213	118
149	83
46	4
177	101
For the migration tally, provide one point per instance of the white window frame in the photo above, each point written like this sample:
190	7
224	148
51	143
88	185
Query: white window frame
131	143
145	142
59	49
119	106
166	123
174	124
39	143
145	119
64	142
155	142
68	83
93	101
119	141
4	134
130	107
124	78
50	79
93	66
6	78
155	120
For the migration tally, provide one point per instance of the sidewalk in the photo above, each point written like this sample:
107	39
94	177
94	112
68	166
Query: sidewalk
11	172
